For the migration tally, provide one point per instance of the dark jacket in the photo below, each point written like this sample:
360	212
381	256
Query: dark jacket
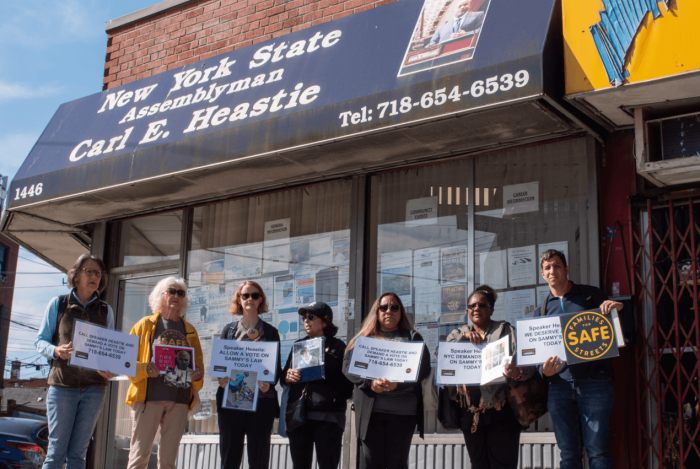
578	298
271	335
329	394
363	396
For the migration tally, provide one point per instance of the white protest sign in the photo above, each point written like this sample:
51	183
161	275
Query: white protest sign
102	349
228	355
539	339
377	358
459	363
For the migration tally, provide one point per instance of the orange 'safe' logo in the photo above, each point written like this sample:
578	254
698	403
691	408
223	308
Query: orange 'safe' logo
588	335
127	365
408	370
266	372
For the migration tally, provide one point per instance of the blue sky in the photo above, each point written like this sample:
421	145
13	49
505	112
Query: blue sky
51	52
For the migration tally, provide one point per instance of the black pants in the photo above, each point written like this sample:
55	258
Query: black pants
496	443
327	436
235	425
388	441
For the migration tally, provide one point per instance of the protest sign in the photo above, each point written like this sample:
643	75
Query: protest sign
459	363
494	357
102	349
309	359
176	363
260	357
376	358
574	338
588	336
539	339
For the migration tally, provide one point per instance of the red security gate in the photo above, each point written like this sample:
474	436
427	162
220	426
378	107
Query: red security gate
665	240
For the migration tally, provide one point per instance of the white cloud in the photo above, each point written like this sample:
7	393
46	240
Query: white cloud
12	91
14	149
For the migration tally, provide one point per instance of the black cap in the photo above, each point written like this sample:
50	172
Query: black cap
317	308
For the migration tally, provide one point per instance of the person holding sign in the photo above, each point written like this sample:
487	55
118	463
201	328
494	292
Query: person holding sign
580	396
76	395
156	400
326	399
386	412
249	302
491	430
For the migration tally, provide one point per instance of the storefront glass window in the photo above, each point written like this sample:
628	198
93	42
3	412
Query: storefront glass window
295	244
151	239
522	203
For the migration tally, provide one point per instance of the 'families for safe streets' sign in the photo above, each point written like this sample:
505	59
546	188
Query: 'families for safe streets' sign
588	336
102	349
377	358
260	357
575	337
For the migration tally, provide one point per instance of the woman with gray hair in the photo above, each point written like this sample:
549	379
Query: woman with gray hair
155	401
76	395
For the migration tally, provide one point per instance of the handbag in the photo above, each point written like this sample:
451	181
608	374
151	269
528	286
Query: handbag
449	411
528	399
295	415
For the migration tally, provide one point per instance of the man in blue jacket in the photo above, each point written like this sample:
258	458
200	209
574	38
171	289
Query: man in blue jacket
580	396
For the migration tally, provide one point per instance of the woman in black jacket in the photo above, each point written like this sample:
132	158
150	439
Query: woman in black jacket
326	399
386	413
234	425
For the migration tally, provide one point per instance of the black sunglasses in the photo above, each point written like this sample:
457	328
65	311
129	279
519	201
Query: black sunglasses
310	317
173	292
479	305
393	308
254	296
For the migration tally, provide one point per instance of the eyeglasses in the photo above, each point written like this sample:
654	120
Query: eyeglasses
478	305
173	292
393	308
254	296
92	272
309	317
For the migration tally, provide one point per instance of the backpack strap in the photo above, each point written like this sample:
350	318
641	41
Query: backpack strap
232	330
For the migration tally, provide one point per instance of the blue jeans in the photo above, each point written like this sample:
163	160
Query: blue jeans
581	416
72	414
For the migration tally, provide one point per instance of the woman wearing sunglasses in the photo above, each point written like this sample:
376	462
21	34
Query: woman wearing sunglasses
156	402
247	305
76	395
326	399
386	413
491	430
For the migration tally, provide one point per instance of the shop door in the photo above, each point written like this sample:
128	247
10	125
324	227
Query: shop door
131	307
666	250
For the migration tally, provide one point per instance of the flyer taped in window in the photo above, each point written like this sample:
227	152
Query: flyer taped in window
308	358
241	392
176	363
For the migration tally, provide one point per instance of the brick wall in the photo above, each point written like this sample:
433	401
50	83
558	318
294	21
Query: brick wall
200	29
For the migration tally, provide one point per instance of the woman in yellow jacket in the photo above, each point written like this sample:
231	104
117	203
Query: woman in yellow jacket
163	400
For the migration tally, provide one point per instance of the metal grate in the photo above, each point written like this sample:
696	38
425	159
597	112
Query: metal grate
665	245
